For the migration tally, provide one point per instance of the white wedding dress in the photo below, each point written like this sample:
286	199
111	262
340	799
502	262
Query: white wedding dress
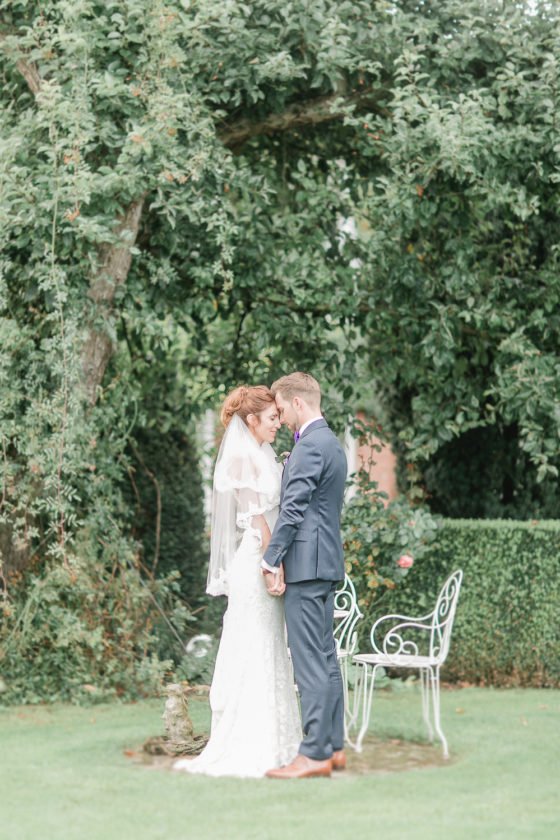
255	716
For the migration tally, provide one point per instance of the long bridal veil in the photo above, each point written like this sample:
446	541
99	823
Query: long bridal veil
245	485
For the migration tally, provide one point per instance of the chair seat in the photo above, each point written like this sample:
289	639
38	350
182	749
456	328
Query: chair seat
397	661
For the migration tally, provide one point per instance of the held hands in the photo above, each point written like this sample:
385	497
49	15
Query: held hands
275	584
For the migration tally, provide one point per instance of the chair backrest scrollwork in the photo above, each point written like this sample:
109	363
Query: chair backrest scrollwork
400	636
443	616
346	606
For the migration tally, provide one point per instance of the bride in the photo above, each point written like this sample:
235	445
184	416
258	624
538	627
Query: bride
255	718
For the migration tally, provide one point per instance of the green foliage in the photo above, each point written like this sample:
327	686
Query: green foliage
506	627
166	497
483	474
459	291
198	669
376	535
174	184
82	632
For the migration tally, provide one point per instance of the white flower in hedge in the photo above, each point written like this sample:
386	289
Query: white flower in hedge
199	645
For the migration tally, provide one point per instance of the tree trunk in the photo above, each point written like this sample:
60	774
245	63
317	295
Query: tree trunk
112	271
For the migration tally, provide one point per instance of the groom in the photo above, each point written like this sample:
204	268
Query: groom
306	549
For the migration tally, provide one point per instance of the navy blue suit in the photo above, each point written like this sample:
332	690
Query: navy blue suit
306	539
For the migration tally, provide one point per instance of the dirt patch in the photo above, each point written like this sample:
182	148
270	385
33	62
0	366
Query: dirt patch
377	757
393	756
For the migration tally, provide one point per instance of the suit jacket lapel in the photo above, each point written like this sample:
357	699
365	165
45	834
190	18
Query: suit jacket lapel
317	424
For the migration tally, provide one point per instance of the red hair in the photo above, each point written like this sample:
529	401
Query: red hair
245	400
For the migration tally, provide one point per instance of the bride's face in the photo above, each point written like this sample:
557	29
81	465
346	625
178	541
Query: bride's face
266	425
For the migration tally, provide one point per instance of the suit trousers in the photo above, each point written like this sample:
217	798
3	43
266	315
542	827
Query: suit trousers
309	607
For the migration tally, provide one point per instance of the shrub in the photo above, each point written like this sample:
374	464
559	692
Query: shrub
377	535
84	631
166	478
506	628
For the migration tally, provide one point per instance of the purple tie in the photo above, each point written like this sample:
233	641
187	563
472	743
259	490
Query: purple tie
296	436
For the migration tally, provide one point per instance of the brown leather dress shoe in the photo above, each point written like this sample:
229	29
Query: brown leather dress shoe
338	760
302	767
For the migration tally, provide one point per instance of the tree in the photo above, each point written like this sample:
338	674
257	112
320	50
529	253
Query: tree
170	224
460	289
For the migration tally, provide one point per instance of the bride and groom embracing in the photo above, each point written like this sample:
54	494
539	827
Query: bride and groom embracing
276	531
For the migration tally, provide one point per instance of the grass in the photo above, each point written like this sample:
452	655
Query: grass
64	776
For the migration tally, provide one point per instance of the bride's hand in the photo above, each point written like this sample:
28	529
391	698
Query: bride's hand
275	584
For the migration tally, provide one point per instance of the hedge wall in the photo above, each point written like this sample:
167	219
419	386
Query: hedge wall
507	627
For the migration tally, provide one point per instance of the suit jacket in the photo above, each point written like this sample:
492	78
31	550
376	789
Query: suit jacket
306	537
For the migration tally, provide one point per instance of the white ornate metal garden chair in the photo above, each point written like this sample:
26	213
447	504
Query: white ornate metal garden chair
401	641
346	617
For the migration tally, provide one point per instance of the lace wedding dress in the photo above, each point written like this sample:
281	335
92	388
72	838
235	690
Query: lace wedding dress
255	716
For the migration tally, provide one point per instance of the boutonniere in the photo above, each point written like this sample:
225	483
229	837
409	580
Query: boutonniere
283	458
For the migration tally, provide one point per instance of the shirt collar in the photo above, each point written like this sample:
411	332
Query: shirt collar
308	423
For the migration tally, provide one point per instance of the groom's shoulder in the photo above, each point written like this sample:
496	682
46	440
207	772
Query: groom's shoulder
320	436
315	430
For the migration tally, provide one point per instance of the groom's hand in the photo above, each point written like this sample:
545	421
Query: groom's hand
275	582
281	583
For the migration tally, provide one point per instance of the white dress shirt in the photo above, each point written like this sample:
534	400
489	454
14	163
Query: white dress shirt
308	423
301	430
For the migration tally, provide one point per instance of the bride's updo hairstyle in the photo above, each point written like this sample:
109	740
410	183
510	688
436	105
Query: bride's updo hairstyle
245	400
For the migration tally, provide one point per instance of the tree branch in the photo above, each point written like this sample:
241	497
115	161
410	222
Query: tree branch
308	113
28	70
115	259
155	482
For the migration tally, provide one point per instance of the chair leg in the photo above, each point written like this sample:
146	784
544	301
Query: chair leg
356	703
425	686
353	715
367	697
343	664
434	675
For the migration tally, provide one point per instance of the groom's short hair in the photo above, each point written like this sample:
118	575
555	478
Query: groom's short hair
298	384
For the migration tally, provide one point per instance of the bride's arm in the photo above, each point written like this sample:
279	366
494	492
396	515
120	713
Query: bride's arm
274	581
248	505
259	522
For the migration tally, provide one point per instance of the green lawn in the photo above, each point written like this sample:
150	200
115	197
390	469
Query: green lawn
64	776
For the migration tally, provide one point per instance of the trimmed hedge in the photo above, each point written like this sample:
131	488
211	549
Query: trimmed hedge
507	626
